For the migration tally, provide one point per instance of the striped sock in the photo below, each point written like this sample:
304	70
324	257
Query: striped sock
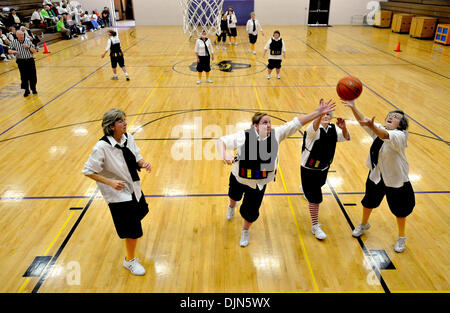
314	212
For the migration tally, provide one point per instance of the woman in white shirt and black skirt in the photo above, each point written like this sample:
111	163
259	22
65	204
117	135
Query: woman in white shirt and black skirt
232	23
113	164
256	162
388	171
252	27
204	53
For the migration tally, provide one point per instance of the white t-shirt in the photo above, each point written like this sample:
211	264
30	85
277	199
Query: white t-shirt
392	163
237	140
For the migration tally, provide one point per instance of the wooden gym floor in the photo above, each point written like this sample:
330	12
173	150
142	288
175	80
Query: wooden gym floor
55	225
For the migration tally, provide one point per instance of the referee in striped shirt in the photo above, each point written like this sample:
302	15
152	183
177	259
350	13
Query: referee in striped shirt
24	49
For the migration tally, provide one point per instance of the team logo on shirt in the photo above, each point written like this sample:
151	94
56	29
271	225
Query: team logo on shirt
223	66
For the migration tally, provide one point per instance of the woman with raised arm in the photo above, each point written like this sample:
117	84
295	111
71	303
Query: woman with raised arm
388	173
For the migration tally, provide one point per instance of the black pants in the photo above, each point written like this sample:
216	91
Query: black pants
27	69
252	198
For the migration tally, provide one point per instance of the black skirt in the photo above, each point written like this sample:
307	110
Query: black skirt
127	217
204	65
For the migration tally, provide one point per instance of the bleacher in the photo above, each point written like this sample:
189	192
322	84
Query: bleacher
439	9
25	9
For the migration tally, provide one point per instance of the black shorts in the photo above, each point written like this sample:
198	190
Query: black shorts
117	58
222	36
274	64
233	32
252	198
204	65
401	200
252	38
127	217
312	182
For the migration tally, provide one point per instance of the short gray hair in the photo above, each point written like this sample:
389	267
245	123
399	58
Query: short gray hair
109	118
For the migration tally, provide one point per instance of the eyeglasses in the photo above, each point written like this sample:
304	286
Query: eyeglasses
397	116
121	121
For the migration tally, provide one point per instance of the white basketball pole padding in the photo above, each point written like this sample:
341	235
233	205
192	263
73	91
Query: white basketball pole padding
199	15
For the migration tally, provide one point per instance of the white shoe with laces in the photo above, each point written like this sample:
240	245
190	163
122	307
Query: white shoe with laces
134	267
359	230
199	81
400	245
209	80
268	76
278	76
230	212
317	232
245	237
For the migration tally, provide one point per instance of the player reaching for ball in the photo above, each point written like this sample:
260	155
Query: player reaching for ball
388	173
319	146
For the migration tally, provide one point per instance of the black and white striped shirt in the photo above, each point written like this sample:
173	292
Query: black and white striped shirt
23	53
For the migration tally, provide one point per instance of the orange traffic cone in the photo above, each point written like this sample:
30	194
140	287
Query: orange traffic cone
398	47
46	49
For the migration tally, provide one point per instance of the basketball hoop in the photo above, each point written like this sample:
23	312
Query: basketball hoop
199	15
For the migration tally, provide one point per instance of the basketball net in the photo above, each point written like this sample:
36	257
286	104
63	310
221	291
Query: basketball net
199	15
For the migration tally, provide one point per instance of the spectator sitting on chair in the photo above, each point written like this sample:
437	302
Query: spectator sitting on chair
12	33
5	42
106	17
29	34
62	29
14	19
69	24
36	18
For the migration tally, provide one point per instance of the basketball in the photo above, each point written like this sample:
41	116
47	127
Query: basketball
349	88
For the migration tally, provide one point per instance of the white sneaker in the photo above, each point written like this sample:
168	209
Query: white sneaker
115	77
209	80
235	44
359	230
134	267
229	43
317	231
224	48
199	81
268	76
230	212
245	237
278	76
400	245
254	52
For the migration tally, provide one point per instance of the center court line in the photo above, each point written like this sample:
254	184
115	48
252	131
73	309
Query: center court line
373	91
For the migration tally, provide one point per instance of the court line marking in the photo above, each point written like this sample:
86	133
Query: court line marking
299	233
49	267
366	253
25	283
202	195
181	111
209	86
65	91
373	91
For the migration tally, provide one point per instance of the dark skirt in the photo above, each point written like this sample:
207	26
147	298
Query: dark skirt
204	65
127	217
